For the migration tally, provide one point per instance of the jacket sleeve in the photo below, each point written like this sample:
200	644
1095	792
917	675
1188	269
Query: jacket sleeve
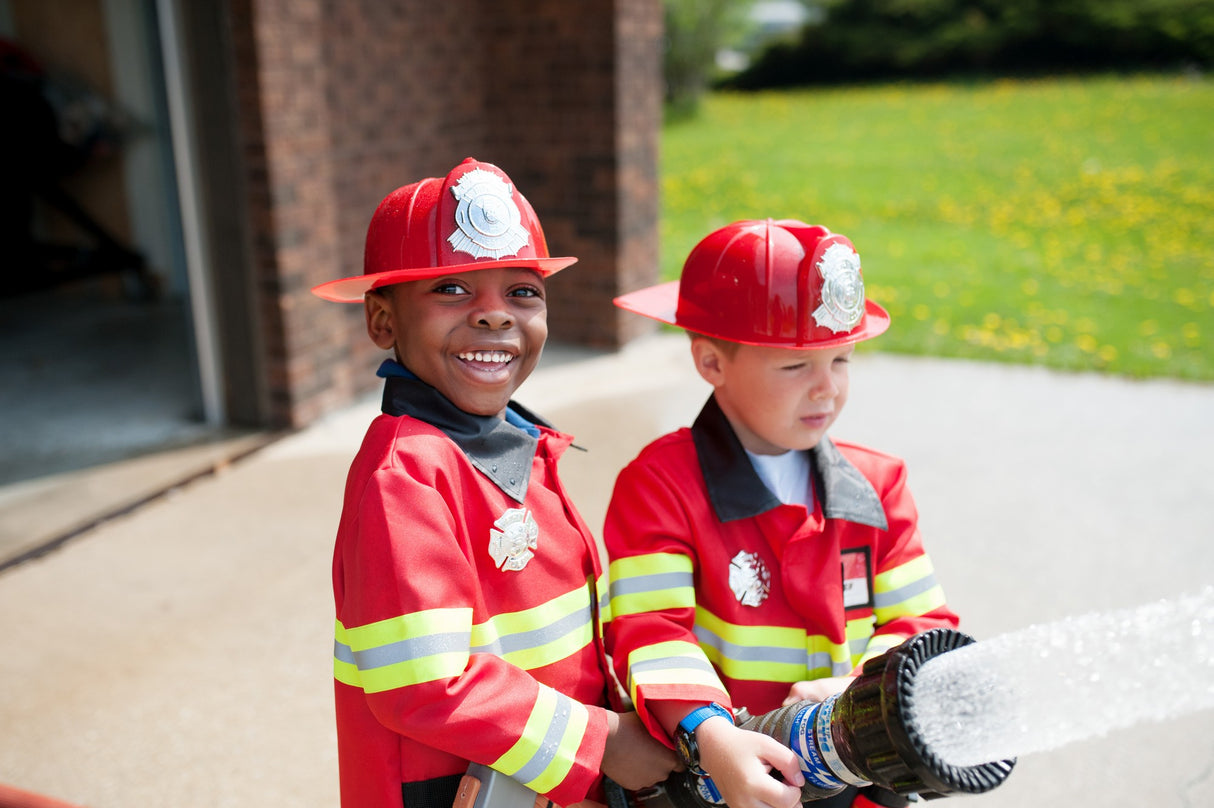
408	637
907	599
653	570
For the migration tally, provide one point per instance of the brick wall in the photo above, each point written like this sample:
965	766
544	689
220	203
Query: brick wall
344	100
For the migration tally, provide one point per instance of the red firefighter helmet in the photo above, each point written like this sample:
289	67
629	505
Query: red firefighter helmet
774	283
473	218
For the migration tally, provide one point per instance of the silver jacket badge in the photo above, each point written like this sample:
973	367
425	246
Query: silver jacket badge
487	218
842	289
513	538
749	579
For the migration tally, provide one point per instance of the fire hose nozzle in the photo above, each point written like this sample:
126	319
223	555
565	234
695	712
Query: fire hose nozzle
866	735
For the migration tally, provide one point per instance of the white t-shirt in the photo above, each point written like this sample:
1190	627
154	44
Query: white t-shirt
785	475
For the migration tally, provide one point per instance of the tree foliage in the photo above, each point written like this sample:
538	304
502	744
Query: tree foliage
695	31
881	39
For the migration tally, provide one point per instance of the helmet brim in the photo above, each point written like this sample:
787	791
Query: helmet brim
661	303
354	289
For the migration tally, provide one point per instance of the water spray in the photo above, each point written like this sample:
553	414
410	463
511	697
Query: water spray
1048	685
865	735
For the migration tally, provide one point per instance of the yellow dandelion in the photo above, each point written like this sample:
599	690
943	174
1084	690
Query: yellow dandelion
1191	333
1185	297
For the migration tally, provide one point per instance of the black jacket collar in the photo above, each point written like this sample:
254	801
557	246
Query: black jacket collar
737	492
501	451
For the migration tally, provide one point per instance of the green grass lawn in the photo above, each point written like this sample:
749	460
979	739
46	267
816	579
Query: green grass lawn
1067	223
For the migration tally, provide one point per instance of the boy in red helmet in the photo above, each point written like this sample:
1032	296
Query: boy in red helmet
754	561
467	586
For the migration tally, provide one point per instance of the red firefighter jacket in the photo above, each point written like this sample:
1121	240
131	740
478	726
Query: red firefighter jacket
719	592
467	594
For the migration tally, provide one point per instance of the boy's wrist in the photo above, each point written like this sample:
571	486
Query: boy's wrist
685	734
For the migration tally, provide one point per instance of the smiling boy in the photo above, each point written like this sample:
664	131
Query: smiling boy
467	587
754	561
474	337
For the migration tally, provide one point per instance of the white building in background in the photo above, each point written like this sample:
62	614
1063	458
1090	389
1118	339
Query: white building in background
770	19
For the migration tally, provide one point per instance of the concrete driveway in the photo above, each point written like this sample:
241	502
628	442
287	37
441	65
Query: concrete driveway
180	655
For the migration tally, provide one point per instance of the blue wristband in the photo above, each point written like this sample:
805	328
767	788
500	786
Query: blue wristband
700	714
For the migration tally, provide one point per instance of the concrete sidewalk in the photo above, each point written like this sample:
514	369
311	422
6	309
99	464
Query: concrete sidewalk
180	655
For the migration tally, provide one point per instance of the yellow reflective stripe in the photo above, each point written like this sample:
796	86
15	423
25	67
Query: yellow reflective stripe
909	589
408	626
346	673
404	650
541	635
821	649
650	583
602	591
546	752
859	632
860	628
878	644
670	663
404	674
920	604
771	636
769	653
344	669
900	576
436	643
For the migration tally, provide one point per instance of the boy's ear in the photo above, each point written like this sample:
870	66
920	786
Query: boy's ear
378	309
709	361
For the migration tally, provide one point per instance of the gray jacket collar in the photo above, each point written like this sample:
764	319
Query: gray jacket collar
501	451
737	492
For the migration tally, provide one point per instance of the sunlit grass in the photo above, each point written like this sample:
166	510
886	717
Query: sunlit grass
1067	223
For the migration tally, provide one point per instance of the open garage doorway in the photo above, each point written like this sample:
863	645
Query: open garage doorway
109	381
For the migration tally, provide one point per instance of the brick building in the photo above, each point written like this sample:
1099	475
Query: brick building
340	102
270	129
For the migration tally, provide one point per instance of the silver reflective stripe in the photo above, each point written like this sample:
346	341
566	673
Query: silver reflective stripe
771	654
412	649
883	600
494	648
539	637
547	750
759	653
671	663
342	653
651	583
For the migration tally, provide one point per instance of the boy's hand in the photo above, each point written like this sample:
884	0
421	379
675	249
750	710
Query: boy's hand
817	689
632	757
739	762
